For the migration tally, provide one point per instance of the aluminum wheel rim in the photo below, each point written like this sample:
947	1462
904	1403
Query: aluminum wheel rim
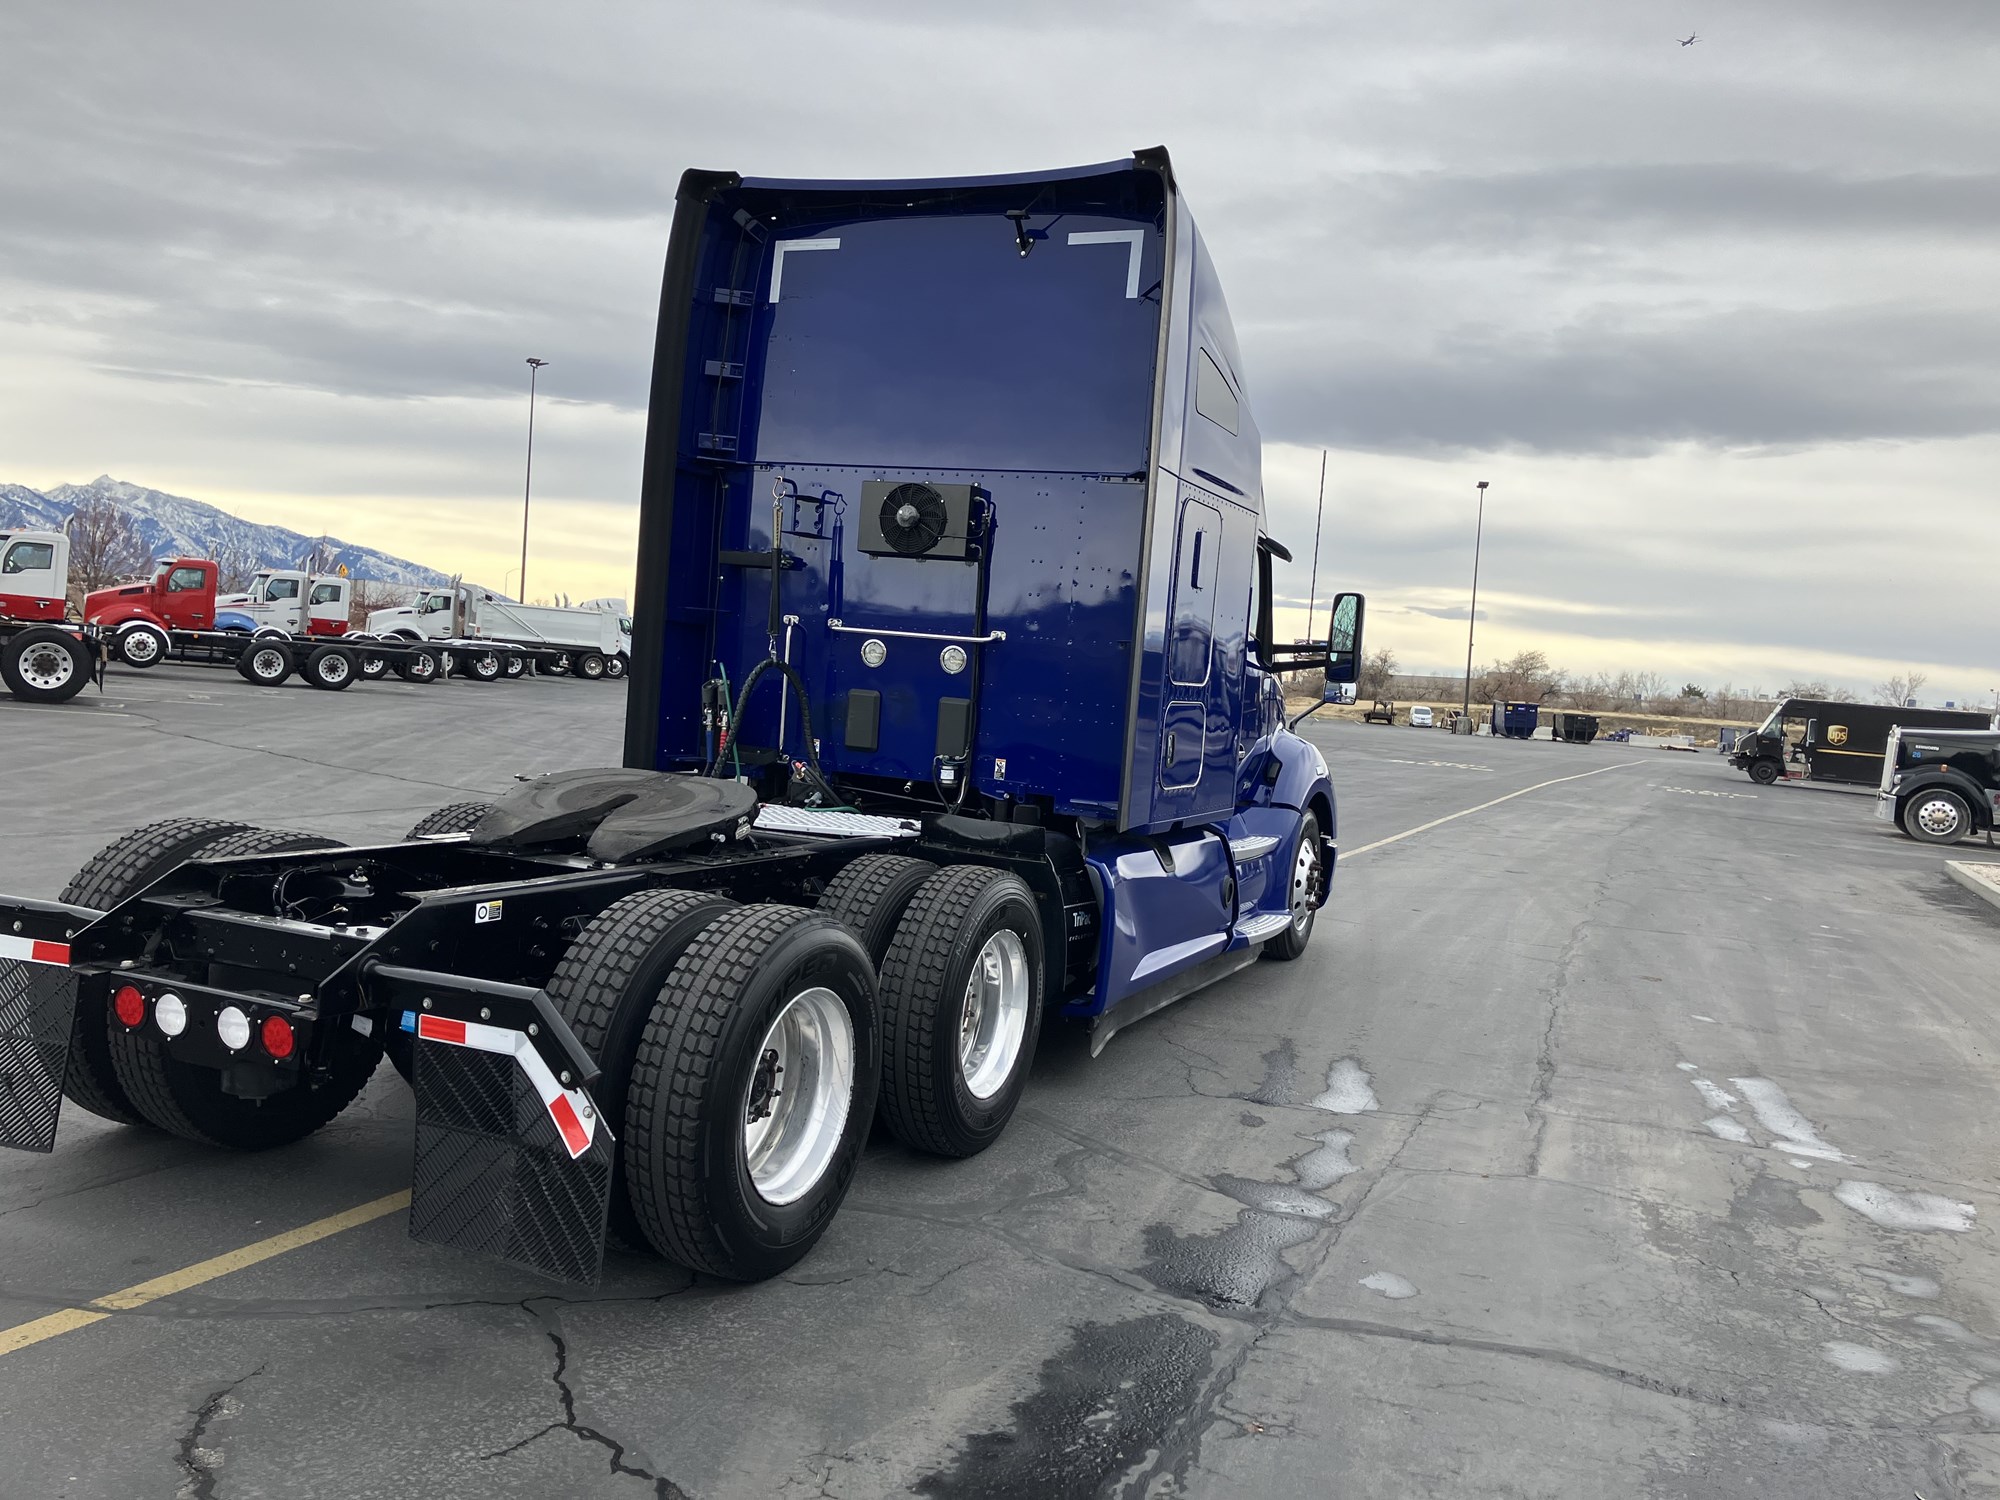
1305	885
801	1087
140	646
46	666
993	1020
268	663
333	669
1937	816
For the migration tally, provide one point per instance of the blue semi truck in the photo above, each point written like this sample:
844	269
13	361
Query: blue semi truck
953	709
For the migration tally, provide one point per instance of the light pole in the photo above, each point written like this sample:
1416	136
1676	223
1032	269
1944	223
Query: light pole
1478	535
528	483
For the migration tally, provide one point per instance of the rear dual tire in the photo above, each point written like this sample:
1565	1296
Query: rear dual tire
332	669
751	1092
44	664
961	995
265	663
187	1100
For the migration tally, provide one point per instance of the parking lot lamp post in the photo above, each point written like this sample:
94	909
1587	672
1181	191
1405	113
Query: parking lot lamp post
528	483
1478	534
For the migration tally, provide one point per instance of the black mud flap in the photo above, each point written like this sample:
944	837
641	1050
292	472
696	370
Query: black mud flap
37	1009
508	1163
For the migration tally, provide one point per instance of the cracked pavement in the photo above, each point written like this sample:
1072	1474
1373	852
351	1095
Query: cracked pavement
1436	1210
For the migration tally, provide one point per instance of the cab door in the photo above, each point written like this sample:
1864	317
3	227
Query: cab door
32	578
187	602
326	610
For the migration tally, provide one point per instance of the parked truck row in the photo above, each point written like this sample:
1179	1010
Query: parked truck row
288	623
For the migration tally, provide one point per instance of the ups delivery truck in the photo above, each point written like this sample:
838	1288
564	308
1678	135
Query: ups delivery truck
1838	741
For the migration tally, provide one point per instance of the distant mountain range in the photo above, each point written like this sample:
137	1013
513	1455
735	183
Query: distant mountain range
174	526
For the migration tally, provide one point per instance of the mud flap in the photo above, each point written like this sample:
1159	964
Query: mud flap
508	1162
37	1009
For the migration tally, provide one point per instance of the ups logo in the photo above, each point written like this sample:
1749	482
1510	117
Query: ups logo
1836	734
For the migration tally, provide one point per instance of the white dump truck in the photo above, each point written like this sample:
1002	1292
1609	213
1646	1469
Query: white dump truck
580	642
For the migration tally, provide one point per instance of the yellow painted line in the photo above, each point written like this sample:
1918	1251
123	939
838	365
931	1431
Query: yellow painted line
22	1335
1410	833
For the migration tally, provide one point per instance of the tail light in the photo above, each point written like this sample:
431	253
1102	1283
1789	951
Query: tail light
233	1028
278	1037
170	1014
130	1005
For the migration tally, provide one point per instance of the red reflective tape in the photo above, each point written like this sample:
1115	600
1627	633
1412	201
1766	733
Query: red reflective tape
574	1135
441	1029
48	953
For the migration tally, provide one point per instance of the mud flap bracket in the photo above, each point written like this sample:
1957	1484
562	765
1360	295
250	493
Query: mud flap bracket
512	1159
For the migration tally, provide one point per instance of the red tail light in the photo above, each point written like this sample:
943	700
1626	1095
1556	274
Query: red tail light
278	1038
130	1005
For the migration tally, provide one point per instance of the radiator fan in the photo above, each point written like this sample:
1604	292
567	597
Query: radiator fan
913	519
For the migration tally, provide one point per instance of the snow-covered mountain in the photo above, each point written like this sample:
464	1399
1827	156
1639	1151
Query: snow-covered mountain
175	526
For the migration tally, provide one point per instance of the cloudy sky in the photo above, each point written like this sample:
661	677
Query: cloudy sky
1719	323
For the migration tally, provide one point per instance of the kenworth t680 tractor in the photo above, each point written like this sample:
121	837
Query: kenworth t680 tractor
952	711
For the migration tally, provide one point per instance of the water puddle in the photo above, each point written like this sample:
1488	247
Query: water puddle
1324	1165
1893	1210
1728	1129
1101	1405
1858	1359
1281	1075
1390	1285
1231	1267
1775	1113
1272	1198
1348	1090
1901	1284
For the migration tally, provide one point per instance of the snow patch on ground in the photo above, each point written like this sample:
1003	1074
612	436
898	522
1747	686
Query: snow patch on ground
1390	1285
1728	1129
1347	1090
1858	1359
1776	1114
1714	1095
1894	1210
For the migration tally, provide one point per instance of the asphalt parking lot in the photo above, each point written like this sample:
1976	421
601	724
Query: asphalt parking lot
1627	1130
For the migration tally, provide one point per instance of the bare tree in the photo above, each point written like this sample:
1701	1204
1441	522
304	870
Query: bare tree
235	564
370	594
1377	667
104	546
1900	689
1527	677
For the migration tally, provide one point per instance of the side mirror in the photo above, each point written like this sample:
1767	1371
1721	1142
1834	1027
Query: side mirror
1343	644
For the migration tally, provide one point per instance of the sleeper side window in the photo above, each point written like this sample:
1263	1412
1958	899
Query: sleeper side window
1212	396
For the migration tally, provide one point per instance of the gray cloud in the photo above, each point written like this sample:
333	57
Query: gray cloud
287	246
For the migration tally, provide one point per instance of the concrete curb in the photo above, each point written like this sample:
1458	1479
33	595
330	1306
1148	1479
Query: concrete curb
1981	878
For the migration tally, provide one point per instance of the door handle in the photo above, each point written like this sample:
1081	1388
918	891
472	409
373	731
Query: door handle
1170	747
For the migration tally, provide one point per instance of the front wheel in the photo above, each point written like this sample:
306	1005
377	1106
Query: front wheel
1765	770
141	646
1304	894
961	1010
1937	816
751	1092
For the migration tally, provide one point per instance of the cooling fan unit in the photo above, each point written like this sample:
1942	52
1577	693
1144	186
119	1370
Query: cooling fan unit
913	519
